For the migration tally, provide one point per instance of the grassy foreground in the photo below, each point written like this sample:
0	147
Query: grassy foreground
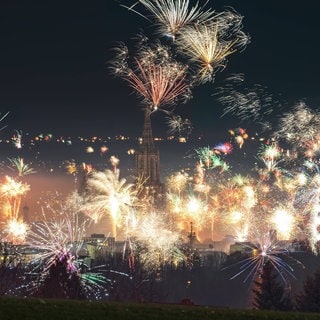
16	308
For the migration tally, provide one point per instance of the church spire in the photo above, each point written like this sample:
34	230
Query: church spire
147	157
147	138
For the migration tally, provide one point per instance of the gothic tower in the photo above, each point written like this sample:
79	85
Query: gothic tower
148	159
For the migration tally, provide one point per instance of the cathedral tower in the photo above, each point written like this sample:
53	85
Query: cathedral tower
148	159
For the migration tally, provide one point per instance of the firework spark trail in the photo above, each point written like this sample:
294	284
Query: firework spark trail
60	235
209	44
300	127
2	118
12	191
307	201
15	231
173	15
263	246
204	48
156	240
266	214
178	182
271	156
187	201
22	167
17	139
234	199
285	220
155	76
108	194
205	37
210	159
237	200
60	239
246	103
176	124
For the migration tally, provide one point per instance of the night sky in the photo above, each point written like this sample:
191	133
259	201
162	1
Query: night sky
54	64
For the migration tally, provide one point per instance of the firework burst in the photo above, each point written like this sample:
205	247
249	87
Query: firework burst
247	103
22	167
156	241
171	16
15	231
12	191
155	76
300	127
60	233
58	241
110	195
177	124
263	246
208	45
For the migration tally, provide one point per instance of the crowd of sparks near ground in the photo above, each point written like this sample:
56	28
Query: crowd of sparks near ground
264	247
60	238
12	190
276	201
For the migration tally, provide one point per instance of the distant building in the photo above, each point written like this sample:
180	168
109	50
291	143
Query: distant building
284	246
103	226
148	161
242	247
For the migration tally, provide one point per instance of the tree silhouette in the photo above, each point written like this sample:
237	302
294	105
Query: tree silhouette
269	292
309	298
60	283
